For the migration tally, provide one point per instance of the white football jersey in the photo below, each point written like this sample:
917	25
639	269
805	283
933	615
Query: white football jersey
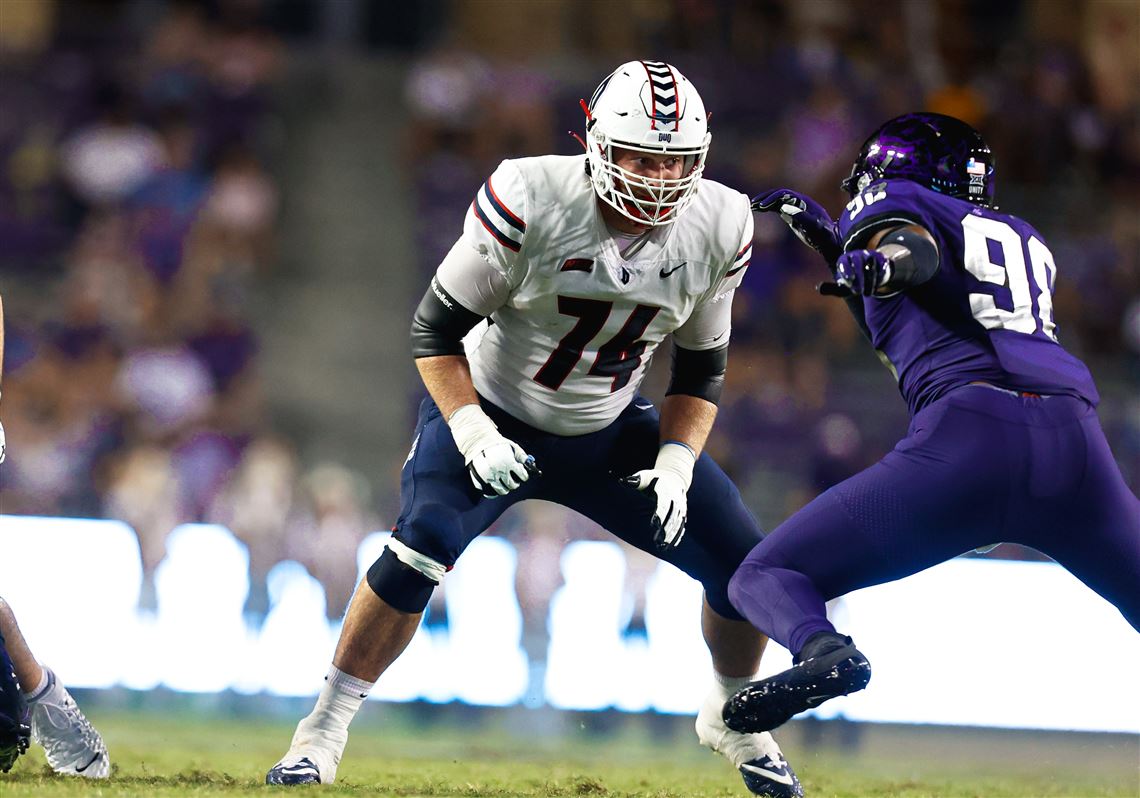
568	343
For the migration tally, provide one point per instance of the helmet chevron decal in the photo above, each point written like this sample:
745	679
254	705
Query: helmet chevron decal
663	89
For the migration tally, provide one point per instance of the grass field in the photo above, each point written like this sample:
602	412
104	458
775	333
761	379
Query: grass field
393	753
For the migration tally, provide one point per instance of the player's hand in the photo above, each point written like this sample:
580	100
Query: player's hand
668	481
496	464
3	446
862	271
14	736
807	218
500	468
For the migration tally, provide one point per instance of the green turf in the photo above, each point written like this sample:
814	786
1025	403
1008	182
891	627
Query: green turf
188	754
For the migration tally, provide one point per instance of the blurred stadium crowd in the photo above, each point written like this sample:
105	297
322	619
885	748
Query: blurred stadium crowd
139	213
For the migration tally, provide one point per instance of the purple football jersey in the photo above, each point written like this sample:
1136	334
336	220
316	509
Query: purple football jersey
986	315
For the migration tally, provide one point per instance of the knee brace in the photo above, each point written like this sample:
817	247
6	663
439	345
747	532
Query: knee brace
404	578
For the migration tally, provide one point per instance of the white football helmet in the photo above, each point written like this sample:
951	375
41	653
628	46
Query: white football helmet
647	106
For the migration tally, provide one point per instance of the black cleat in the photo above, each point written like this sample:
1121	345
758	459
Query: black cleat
835	668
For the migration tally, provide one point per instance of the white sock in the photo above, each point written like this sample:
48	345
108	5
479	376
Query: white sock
730	684
340	699
40	690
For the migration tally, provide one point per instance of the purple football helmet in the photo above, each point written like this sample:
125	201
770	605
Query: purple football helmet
939	152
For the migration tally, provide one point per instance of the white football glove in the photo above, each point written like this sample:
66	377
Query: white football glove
496	464
2	446
669	481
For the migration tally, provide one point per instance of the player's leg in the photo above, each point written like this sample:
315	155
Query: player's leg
719	532
1078	509
71	744
441	513
942	491
29	673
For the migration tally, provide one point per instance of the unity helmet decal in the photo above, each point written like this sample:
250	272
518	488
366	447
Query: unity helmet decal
939	152
646	106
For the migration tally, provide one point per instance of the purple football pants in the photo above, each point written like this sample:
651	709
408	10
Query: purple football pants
978	466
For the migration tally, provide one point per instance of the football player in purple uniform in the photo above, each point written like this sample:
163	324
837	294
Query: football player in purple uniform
1004	442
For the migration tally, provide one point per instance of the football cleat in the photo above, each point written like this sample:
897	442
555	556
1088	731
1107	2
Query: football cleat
756	756
294	771
833	667
70	742
312	758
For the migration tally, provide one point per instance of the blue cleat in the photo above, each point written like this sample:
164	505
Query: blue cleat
298	771
756	756
771	777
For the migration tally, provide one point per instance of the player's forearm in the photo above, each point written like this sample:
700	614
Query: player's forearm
912	255
687	419
448	380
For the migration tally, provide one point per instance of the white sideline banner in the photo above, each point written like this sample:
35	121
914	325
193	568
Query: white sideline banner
969	642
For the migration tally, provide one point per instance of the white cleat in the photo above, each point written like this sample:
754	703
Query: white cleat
756	756
70	742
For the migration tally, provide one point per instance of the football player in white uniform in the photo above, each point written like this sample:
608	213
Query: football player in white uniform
34	704
532	340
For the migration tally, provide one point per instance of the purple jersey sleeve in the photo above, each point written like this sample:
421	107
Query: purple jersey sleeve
986	315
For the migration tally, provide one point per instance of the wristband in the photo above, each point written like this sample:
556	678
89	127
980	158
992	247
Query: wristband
677	458
471	428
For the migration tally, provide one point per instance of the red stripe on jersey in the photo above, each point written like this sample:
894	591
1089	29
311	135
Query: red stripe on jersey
676	99
652	98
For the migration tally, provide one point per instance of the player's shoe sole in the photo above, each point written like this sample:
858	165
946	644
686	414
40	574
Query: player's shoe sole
303	771
765	704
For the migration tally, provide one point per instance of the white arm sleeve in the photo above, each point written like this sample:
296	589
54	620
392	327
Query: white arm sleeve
709	326
495	225
475	283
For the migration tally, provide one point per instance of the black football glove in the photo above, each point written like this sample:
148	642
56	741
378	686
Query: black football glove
862	272
807	218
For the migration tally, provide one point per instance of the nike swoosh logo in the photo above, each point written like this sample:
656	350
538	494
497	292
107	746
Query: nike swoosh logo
815	700
642	407
297	770
666	272
94	759
781	776
302	765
